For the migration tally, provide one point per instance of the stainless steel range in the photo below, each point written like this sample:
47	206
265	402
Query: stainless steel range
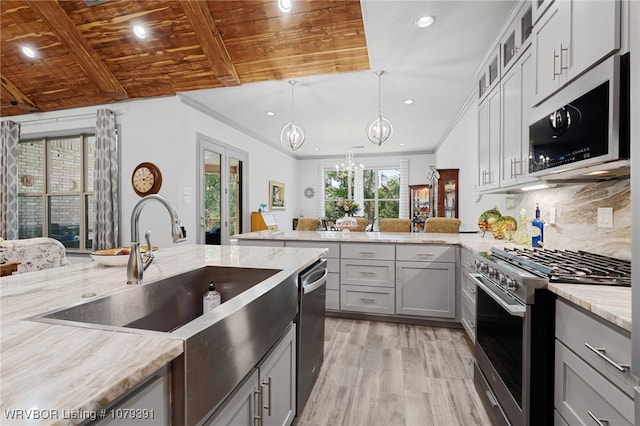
515	325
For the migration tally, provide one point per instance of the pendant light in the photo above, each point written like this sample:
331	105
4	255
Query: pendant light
292	135
379	129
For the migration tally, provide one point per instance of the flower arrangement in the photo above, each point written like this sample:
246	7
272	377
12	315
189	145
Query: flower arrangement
347	206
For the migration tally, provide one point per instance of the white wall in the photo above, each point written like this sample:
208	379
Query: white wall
308	170
460	151
164	131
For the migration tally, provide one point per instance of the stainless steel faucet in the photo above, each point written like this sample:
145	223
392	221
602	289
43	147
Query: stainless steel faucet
136	265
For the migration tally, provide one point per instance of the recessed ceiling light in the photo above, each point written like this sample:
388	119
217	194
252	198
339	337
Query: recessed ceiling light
270	113
424	21
401	144
28	52
285	5
140	31
408	101
316	149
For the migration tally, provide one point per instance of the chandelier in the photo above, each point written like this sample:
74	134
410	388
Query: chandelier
379	129
349	167
292	135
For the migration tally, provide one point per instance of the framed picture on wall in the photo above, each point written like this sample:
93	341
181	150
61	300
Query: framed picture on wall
276	195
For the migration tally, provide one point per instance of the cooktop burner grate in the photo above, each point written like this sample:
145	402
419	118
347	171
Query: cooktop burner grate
566	266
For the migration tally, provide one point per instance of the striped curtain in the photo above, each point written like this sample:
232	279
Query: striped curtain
404	189
320	205
9	137
105	182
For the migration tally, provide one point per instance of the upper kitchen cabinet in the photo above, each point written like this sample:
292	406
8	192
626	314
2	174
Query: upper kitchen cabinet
489	140
517	38
569	38
538	7
517	97
489	74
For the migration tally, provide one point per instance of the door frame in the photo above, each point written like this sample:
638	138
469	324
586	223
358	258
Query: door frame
226	152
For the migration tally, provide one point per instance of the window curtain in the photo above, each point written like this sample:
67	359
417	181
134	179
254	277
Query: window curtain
404	190
10	136
105	182
358	190
320	205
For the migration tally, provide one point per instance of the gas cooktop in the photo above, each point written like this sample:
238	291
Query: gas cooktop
566	266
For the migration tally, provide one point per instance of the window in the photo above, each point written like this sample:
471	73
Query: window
55	189
381	192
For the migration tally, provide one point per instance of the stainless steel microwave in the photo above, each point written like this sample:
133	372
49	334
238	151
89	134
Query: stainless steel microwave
586	124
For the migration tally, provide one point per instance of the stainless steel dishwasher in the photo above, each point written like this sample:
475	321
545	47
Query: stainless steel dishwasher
312	291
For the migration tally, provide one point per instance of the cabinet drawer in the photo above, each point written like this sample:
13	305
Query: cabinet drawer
467	259
333	281
469	321
469	300
468	286
581	394
427	252
368	251
367	272
585	334
334	248
375	300
332	301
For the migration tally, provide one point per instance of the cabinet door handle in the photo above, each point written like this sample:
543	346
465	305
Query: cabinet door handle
367	253
492	399
601	353
367	273
566	50
268	406
598	420
364	300
555	56
258	416
424	255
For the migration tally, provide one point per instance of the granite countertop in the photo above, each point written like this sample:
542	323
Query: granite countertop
608	302
58	367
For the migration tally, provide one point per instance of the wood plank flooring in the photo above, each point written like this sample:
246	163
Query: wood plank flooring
383	374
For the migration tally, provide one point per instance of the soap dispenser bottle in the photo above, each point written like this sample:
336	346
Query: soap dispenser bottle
211	299
537	229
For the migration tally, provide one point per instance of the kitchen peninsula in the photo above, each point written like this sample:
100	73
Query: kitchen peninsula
60	374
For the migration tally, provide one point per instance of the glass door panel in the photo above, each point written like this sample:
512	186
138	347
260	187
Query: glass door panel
212	197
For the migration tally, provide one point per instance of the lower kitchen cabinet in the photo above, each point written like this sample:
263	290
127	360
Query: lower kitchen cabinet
426	289
468	293
592	379
146	404
367	299
268	393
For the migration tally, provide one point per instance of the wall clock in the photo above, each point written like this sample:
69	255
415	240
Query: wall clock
146	179
309	192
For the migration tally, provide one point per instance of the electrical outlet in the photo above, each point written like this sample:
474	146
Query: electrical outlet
552	216
605	217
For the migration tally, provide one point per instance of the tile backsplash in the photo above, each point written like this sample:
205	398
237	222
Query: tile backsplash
576	216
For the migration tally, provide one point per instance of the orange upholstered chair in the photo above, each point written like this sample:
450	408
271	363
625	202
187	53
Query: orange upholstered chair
445	225
308	224
395	225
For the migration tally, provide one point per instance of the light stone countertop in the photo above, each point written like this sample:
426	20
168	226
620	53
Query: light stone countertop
58	367
608	302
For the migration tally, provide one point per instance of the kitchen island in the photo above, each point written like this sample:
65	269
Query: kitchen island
59	374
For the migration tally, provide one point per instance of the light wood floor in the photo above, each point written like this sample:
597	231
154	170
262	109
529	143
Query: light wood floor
379	374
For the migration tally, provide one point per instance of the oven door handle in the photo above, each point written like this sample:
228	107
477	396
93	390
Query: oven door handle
516	311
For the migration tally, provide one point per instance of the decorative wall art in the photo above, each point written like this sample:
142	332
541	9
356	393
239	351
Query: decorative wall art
276	195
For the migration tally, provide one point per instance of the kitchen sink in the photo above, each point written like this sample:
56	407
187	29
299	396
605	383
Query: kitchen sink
164	305
258	305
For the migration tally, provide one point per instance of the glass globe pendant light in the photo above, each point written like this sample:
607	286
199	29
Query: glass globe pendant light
380	129
292	135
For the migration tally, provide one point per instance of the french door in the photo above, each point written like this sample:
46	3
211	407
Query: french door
222	199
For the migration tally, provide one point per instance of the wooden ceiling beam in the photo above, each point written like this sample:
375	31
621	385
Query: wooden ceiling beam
211	41
88	59
18	99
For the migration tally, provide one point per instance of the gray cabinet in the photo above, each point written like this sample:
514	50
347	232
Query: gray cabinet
426	288
592	378
468	293
571	37
146	404
489	140
268	393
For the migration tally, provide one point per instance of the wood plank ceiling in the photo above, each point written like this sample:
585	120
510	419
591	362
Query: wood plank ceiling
89	55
